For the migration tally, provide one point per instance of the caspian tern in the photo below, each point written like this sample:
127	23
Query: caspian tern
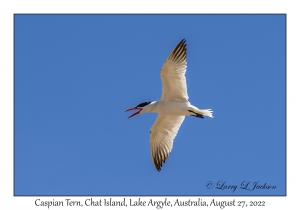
172	107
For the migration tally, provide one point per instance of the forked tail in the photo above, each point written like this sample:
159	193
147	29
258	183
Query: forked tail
201	112
206	112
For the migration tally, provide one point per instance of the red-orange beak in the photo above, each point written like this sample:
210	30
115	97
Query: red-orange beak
134	108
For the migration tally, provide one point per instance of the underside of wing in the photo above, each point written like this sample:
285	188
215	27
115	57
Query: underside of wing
173	75
162	135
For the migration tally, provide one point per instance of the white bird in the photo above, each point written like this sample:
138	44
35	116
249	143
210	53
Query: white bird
172	107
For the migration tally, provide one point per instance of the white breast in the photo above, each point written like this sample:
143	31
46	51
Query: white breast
172	108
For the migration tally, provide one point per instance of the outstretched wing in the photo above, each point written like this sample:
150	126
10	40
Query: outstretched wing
162	135
173	75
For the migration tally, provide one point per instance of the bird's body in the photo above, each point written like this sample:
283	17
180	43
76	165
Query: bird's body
172	107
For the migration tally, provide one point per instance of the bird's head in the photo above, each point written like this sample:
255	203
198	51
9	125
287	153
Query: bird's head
141	107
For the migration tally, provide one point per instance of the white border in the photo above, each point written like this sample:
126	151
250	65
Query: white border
8	8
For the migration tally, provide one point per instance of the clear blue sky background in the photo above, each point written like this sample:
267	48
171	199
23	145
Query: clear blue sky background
75	75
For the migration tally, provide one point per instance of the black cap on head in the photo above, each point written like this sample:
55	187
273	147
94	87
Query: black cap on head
144	104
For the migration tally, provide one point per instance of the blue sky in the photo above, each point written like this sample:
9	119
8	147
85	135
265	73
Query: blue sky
75	75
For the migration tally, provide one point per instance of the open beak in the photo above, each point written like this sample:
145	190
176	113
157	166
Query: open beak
134	108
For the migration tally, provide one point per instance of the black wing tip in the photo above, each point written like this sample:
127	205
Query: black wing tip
158	167
182	43
179	53
159	163
180	47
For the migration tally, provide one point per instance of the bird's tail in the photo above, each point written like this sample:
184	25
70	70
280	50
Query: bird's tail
206	112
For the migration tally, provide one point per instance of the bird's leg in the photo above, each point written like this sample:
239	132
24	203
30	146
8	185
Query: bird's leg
196	114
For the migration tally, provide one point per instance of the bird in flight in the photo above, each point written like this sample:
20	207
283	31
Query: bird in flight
172	107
